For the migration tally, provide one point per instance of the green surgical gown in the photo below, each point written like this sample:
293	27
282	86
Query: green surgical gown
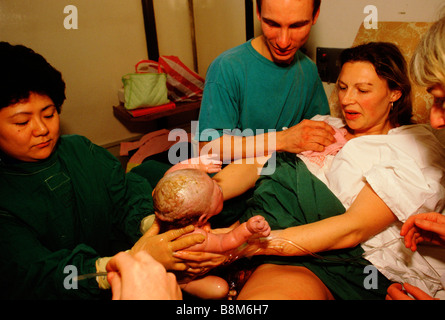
62	214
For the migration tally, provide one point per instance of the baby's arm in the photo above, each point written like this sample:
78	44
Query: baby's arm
206	163
220	243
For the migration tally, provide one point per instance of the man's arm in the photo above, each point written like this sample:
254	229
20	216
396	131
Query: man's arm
307	135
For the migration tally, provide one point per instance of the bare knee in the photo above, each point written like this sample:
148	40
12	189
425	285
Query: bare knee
209	287
278	282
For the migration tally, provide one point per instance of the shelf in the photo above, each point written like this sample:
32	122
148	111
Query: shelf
185	111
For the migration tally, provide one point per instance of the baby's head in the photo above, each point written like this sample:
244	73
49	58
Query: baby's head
185	197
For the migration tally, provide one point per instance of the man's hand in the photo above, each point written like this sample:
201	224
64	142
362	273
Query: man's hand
162	246
308	135
140	277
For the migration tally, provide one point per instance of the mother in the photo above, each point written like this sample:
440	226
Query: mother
382	176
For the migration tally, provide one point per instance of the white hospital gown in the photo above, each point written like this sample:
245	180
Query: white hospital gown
406	168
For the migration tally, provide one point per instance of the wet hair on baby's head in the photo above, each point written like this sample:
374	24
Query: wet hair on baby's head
181	196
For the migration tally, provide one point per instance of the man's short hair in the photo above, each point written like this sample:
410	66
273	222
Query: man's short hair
317	4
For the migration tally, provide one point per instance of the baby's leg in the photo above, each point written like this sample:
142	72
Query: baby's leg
209	287
258	225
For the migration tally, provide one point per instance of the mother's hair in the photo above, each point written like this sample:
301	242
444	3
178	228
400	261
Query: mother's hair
390	65
23	71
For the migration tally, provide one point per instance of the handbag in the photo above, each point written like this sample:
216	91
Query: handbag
183	83
145	89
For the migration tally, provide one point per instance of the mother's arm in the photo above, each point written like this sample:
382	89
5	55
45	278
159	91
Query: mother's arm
239	176
367	216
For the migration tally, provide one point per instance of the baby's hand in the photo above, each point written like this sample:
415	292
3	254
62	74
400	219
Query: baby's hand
206	163
258	225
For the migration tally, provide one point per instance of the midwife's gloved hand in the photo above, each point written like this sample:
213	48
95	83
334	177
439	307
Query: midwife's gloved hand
162	246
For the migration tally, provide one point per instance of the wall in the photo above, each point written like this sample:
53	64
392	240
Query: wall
109	40
219	25
340	20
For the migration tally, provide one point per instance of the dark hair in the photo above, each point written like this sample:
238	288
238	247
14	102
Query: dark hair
390	65
317	4
23	71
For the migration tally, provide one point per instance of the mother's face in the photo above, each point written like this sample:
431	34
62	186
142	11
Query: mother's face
365	98
29	130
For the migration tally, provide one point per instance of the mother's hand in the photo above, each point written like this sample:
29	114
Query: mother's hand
162	246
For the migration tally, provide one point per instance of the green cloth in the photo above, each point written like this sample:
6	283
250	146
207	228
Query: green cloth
292	196
70	209
246	91
152	171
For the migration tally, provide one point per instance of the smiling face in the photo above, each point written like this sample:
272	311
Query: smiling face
437	112
365	99
29	130
286	25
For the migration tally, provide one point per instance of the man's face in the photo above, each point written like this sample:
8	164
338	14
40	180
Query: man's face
286	25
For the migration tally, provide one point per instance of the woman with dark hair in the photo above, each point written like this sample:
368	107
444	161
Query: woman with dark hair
66	205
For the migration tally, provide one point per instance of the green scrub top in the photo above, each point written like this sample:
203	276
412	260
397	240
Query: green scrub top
248	92
62	214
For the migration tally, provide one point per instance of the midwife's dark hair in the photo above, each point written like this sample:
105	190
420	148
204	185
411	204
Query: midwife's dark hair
390	65
23	71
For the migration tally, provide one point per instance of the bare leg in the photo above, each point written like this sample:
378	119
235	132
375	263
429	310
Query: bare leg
277	282
209	287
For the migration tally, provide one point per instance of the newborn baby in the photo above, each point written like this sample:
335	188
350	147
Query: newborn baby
189	196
